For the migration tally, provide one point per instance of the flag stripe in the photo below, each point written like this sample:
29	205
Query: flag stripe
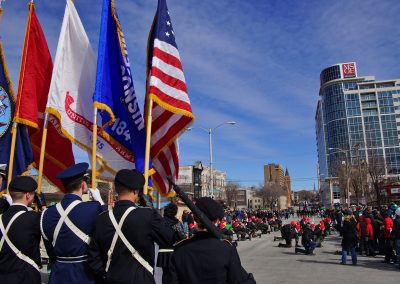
162	45
167	58
169	99
168	90
170	134
169	80
169	69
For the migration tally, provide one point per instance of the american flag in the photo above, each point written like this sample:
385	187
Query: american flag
166	86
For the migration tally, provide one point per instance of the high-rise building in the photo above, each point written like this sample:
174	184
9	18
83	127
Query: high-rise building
357	119
274	173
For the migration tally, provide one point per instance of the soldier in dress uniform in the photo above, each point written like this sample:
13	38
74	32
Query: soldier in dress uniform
20	235
204	258
5	199
123	246
67	228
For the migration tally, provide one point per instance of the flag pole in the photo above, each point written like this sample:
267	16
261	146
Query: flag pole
148	139
94	148
11	162
42	151
15	124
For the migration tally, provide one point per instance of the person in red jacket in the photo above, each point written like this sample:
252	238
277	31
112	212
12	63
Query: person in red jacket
362	235
370	237
387	229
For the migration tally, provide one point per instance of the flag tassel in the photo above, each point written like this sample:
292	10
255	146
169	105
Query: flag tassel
11	163
94	148
148	140
42	151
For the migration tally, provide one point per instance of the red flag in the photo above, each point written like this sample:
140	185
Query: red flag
33	89
166	86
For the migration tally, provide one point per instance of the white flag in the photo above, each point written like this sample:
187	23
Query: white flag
71	90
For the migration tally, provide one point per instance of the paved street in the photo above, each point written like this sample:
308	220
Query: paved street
271	264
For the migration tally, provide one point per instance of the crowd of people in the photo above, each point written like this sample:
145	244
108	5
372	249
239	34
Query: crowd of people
364	230
370	232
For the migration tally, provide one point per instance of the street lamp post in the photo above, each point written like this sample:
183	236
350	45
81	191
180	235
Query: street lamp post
347	172
210	132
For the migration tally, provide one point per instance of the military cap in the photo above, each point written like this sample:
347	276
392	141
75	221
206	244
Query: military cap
23	184
72	174
131	179
3	169
211	208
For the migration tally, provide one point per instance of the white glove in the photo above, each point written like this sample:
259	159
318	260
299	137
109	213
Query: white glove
8	198
95	193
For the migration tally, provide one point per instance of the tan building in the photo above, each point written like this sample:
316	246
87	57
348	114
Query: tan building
275	173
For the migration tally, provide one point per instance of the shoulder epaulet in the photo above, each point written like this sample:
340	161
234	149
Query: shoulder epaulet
182	241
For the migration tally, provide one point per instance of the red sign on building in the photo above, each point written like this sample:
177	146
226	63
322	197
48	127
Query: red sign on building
349	70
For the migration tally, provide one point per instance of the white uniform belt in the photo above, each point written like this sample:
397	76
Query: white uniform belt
118	233
65	220
72	259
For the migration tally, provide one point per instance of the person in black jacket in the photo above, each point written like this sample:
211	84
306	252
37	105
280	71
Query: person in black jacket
349	241
204	258
287	232
170	212
307	239
165	253
131	258
20	254
395	234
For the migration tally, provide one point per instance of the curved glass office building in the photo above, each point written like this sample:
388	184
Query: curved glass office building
356	119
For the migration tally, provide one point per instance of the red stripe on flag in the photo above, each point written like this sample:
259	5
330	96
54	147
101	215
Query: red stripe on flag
175	158
167	58
169	80
171	134
160	183
170	100
160	120
164	161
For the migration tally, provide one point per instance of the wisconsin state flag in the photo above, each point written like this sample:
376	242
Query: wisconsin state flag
34	82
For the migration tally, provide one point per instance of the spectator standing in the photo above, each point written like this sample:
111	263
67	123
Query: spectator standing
349	241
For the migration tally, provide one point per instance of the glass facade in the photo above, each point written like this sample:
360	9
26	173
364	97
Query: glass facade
330	73
357	120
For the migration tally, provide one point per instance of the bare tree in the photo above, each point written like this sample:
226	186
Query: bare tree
376	171
358	180
270	193
231	192
306	195
343	173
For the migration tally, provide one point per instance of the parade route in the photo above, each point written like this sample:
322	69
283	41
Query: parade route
271	264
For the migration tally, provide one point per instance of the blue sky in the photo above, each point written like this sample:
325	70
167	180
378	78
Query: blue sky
256	62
